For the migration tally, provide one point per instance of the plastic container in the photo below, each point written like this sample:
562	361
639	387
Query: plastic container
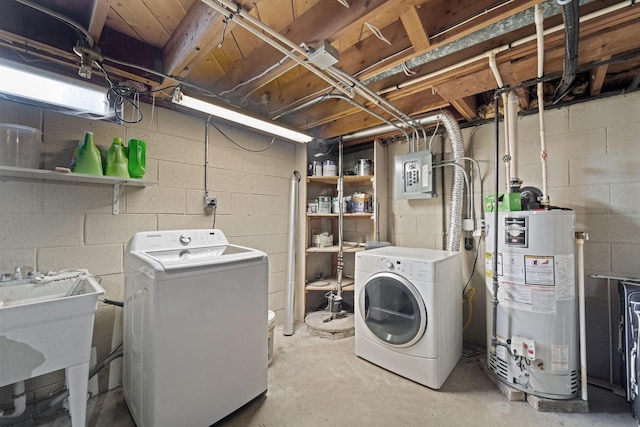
117	162
20	146
329	168
86	157
272	325
137	158
324	205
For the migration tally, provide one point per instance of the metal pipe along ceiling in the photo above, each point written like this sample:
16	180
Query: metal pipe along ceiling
457	148
514	22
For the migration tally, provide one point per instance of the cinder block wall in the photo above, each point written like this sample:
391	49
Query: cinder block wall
593	164
53	225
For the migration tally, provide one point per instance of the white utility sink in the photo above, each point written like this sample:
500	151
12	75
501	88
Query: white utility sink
47	326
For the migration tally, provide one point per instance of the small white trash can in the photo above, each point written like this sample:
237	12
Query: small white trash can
272	325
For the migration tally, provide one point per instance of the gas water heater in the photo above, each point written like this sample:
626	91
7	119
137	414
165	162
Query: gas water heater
536	331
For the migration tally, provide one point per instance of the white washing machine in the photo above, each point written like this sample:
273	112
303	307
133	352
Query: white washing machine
408	311
195	327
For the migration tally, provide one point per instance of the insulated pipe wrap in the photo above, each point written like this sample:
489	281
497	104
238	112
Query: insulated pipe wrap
457	148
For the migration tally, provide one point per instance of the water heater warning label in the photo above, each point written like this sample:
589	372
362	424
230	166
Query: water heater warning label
539	270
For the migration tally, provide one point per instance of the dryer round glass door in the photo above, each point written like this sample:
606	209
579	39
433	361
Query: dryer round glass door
393	309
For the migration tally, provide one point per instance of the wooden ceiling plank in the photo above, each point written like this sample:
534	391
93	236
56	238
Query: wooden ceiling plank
141	21
167	12
277	14
415	29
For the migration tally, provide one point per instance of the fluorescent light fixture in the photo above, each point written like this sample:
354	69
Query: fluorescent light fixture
37	87
240	118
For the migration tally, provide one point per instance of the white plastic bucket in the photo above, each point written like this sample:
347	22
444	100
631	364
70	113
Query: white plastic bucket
272	325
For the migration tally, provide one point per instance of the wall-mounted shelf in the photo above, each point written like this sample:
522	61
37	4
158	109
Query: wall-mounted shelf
348	180
47	175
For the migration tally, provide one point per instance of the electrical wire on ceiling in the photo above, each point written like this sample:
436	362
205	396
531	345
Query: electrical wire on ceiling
273	139
342	81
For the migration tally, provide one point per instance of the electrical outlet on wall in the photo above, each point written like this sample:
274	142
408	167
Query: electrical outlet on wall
210	203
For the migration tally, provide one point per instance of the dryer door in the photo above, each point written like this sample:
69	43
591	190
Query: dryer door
393	309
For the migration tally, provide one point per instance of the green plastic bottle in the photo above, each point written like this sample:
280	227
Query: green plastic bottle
117	162
87	157
137	158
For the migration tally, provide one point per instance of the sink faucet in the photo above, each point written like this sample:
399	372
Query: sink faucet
6	279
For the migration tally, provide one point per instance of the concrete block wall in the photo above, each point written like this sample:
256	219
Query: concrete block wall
52	225
593	164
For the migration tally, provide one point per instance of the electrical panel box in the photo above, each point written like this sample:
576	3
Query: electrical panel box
414	175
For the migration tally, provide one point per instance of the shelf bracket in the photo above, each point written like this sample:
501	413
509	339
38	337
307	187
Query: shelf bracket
117	191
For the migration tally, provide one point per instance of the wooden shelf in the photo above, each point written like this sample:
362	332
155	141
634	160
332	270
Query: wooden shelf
335	249
346	215
48	175
349	180
329	284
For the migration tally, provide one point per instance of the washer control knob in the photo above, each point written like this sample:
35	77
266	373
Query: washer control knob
389	264
185	240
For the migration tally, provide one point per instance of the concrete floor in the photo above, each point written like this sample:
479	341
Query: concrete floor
318	382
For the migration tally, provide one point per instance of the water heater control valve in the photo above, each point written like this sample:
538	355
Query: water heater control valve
524	347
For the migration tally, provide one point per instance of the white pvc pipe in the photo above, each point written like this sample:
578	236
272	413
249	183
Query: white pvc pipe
496	73
539	19
581	309
511	113
287	328
19	402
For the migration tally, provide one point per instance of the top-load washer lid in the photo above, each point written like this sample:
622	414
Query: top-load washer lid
181	249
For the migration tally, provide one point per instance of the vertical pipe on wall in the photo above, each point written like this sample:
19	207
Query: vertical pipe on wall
511	112
287	329
494	254
539	19
580	238
507	154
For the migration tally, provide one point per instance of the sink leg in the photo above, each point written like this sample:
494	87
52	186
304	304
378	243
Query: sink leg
78	384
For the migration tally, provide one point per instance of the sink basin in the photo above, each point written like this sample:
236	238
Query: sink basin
47	326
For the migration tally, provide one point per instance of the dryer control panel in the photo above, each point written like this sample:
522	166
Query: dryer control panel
417	270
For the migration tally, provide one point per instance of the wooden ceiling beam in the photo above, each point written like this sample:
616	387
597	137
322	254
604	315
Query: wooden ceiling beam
97	18
196	30
596	77
415	29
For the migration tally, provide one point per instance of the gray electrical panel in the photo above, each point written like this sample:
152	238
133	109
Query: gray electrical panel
414	175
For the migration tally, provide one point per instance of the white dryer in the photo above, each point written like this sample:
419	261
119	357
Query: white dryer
408	311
